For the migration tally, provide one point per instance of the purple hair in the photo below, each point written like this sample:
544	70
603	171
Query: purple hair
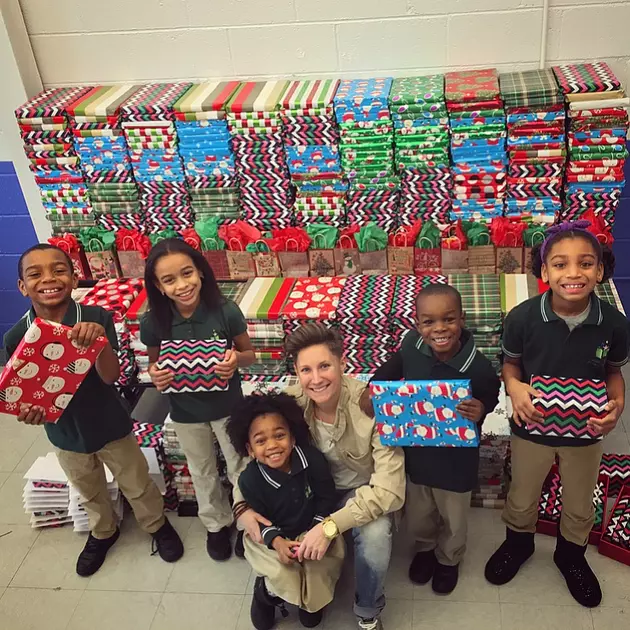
570	228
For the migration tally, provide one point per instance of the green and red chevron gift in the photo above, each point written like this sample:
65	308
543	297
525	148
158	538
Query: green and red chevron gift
567	404
617	467
192	362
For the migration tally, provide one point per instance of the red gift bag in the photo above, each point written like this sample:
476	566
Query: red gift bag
72	247
427	261
217	259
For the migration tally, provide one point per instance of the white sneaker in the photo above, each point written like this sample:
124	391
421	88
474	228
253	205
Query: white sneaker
370	624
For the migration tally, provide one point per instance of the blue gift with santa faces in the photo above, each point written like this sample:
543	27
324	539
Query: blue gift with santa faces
423	413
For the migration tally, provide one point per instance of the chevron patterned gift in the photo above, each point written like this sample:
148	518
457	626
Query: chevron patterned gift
617	467
366	353
567	404
192	363
615	540
550	505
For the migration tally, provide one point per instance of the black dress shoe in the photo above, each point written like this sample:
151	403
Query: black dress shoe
422	567
310	620
581	581
167	543
506	561
444	579
218	545
91	559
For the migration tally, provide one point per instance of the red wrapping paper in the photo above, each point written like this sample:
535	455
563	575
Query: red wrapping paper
314	298
114	295
46	370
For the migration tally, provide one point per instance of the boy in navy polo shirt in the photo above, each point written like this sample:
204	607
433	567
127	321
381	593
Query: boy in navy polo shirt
442	479
95	428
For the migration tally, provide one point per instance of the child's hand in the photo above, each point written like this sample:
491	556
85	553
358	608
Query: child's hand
31	414
603	426
228	366
285	547
472	409
521	395
160	378
84	334
365	403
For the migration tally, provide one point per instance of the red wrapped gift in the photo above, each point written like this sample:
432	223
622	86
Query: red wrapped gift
114	295
46	370
314	299
70	244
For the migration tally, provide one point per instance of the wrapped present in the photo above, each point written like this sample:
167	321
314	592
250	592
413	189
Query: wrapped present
567	404
422	413
517	288
114	295
46	369
615	540
193	365
550	506
617	467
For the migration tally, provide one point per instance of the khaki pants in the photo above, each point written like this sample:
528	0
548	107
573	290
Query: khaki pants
309	585
579	469
197	442
130	469
438	519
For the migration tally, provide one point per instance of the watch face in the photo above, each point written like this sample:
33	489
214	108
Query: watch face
330	529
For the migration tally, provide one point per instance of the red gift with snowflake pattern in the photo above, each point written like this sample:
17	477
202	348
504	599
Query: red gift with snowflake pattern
46	370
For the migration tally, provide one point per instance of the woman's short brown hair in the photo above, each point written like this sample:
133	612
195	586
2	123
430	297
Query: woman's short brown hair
314	335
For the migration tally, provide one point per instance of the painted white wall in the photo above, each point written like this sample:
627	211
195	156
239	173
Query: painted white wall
13	78
89	41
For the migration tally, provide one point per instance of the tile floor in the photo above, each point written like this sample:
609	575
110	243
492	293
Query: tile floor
137	591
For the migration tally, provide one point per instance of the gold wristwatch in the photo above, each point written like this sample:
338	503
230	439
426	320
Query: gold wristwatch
331	531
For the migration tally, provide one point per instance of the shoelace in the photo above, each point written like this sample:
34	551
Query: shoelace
155	547
368	624
92	547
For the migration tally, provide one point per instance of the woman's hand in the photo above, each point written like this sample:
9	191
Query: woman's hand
603	426
472	409
523	409
285	549
314	545
251	521
160	378
228	366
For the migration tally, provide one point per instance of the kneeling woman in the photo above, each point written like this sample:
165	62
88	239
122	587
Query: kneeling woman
369	477
289	483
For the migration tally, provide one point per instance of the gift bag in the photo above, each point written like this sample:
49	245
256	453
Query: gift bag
321	261
240	263
347	259
426	260
266	262
294	264
132	262
454	260
217	258
373	261
510	259
400	256
537	239
69	244
482	258
103	263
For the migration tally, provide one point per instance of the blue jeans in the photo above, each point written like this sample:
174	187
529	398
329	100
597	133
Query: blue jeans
372	552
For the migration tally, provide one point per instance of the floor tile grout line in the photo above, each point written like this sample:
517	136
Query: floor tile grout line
39	533
157	609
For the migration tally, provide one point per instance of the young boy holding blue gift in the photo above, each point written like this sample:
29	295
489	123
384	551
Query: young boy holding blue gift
441	479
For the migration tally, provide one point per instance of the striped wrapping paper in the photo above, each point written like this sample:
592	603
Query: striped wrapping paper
204	97
264	298
51	102
103	101
517	288
305	95
256	96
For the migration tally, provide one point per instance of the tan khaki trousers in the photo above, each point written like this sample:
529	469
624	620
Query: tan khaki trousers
309	584
438	519
130	469
197	442
579	469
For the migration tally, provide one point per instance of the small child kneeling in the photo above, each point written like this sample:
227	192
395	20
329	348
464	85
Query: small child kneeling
289	483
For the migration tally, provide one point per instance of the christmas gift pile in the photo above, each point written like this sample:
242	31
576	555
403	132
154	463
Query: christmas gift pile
312	300
255	125
361	109
536	143
598	123
48	145
206	150
481	301
77	512
152	140
46	495
615	540
100	144
311	139
363	315
177	465
403	311
132	320
261	303
477	120
421	157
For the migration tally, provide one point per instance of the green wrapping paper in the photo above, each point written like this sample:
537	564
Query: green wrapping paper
322	236
371	238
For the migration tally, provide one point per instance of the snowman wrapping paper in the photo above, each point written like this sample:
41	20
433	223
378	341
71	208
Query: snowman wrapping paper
422	413
46	370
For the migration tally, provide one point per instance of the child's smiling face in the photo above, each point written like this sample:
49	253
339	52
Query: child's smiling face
48	278
440	322
179	279
270	441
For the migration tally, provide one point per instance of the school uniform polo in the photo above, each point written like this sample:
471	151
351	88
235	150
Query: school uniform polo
225	322
292	501
453	469
95	416
545	346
